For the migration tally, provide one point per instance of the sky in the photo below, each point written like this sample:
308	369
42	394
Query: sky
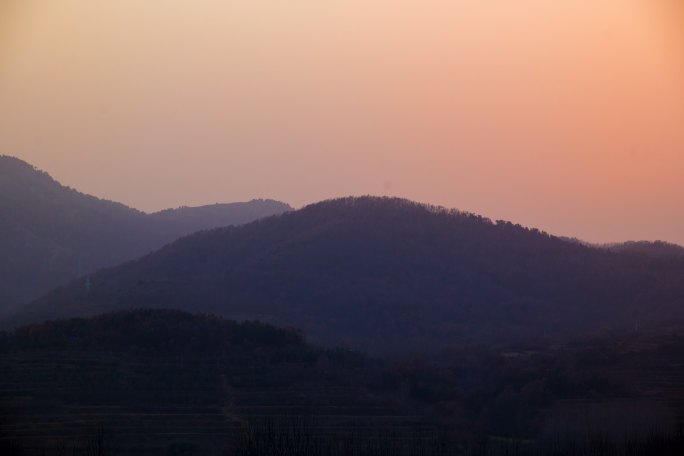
566	115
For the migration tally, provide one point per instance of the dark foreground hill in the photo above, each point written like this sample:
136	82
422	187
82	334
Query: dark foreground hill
160	382
50	234
388	274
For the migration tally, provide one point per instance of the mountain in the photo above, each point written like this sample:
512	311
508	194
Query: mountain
50	234
185	220
656	249
387	274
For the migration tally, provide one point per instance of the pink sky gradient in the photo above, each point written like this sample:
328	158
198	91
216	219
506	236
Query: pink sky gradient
567	115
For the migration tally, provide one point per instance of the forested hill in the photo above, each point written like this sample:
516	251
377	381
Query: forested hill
184	220
657	249
50	234
384	274
151	332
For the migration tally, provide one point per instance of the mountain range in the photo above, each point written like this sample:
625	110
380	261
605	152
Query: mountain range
51	234
387	275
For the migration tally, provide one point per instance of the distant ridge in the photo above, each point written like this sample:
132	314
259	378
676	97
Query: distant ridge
50	234
656	249
386	274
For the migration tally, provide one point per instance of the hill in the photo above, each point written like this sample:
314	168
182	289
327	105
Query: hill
388	274
160	382
656	249
50	234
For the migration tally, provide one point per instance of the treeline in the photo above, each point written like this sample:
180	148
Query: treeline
656	249
148	331
294	436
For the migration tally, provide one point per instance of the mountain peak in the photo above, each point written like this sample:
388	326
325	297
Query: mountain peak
50	233
15	171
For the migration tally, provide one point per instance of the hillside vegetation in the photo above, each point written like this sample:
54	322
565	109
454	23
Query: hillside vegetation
388	274
161	382
656	249
50	234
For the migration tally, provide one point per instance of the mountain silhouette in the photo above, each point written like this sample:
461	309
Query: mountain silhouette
50	234
387	274
657	249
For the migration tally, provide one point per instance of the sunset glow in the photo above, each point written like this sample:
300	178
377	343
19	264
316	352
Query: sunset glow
566	115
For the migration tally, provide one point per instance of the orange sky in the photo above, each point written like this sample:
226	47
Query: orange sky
567	115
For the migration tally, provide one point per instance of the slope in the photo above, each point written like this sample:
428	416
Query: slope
50	234
388	274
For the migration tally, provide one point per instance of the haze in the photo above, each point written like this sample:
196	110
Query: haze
567	115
